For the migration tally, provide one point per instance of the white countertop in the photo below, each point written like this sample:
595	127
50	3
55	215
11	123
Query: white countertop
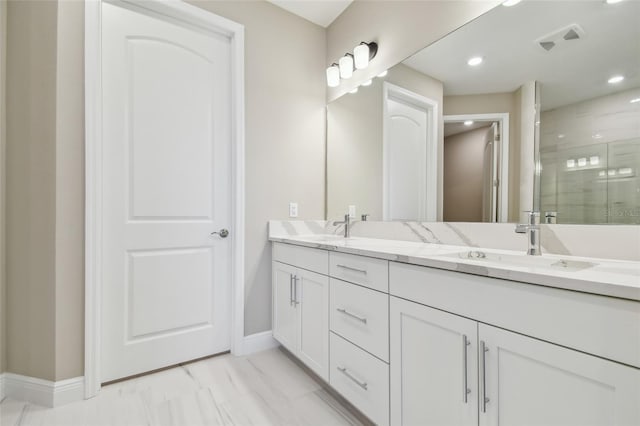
620	279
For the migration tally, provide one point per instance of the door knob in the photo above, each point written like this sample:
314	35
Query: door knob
224	233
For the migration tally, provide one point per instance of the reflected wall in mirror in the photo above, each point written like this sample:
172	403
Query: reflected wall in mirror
584	162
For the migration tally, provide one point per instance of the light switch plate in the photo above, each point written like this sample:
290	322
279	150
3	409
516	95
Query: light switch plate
293	209
352	212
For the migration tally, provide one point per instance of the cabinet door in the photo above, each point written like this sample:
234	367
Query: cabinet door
284	310
433	365
312	300
531	382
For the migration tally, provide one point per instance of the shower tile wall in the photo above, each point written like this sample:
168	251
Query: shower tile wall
590	154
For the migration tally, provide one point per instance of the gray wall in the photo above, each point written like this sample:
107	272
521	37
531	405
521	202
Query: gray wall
3	287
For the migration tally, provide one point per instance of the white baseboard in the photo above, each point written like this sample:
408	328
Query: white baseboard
258	342
43	392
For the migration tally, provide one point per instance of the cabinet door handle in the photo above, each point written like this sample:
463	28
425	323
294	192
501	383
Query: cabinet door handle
465	386
483	375
362	271
346	372
347	313
291	290
296	302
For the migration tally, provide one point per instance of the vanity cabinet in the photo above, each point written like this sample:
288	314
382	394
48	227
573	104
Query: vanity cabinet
301	305
450	370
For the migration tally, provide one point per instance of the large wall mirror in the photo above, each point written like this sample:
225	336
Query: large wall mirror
513	111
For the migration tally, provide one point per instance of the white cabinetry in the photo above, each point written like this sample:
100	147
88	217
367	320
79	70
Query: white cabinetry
450	370
301	305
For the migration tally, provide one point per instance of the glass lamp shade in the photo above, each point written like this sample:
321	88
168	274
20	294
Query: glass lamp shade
333	76
361	56
346	66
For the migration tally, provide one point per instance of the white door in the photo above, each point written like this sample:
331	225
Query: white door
311	295
406	161
285	319
433	366
166	172
530	382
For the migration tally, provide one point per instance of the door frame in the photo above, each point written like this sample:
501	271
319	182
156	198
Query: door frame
503	168
193	15
430	106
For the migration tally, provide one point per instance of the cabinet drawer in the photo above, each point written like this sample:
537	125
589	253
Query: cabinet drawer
361	316
366	271
361	378
315	260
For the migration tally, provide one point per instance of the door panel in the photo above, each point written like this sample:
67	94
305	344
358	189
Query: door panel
530	382
284	311
431	366
312	296
166	137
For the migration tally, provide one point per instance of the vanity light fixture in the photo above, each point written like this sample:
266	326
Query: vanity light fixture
510	2
385	72
363	53
582	162
359	59
367	83
468	122
616	79
333	75
594	160
571	163
346	66
476	60
634	101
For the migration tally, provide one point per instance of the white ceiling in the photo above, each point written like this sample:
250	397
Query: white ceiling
571	72
321	12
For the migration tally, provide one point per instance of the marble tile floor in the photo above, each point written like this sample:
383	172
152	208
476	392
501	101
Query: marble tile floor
266	388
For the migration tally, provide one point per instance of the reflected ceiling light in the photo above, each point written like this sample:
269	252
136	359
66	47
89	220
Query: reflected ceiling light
634	101
571	163
582	162
597	136
625	171
616	79
367	83
476	60
561	136
602	173
594	160
611	172
513	2
385	72
346	66
354	91
613	1
468	122
333	75
363	53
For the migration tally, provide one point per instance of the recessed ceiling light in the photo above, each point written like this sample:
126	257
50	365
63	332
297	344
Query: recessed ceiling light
616	79
367	83
613	1
596	136
476	60
354	91
468	122
561	136
383	73
634	101
512	2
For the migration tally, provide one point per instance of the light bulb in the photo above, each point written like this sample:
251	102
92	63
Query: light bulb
333	76
385	72
361	56
476	60
367	83
346	66
354	91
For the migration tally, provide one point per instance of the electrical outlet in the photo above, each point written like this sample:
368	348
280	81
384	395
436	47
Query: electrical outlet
293	209
352	212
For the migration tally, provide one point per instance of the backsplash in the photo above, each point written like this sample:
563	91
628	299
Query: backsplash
621	242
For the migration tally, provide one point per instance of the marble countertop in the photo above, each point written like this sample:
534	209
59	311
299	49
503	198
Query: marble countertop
620	279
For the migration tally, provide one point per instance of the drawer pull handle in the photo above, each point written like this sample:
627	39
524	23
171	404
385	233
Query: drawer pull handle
362	271
465	389
344	371
483	376
347	313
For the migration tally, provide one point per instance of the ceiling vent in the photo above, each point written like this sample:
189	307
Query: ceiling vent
564	35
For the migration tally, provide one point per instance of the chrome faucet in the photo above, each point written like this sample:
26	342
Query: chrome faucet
532	229
346	222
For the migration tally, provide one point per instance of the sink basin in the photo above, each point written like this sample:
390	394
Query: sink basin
523	260
320	238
